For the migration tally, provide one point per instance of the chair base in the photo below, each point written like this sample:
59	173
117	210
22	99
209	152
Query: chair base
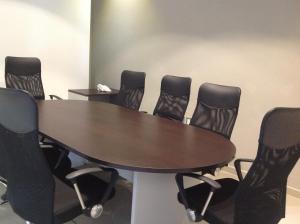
3	197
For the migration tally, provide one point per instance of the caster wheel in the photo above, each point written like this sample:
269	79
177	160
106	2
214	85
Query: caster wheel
96	211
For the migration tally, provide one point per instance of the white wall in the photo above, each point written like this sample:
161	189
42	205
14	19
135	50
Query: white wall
56	31
254	44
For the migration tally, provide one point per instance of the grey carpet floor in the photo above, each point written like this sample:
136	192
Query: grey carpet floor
116	211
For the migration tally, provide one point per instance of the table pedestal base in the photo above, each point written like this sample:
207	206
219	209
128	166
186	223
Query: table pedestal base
154	200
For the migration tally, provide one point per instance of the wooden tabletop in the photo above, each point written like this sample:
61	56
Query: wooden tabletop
121	138
93	92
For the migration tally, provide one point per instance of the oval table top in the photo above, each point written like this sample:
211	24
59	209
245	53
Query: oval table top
114	136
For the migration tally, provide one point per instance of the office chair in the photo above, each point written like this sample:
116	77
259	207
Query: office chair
33	192
259	197
132	89
174	98
217	108
216	111
25	73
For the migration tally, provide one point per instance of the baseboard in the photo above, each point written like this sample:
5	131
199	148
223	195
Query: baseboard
290	190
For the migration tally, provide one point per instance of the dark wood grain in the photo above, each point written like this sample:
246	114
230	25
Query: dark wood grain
121	138
92	92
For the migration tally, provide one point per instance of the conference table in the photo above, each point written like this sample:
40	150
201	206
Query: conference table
154	148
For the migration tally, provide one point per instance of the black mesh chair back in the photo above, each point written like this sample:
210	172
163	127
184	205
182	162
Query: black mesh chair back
25	74
260	197
132	89
217	108
30	188
174	97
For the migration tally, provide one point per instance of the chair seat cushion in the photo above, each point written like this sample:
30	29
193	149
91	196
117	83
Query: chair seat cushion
197	196
221	213
67	205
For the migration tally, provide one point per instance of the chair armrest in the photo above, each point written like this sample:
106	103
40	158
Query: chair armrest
63	152
237	165
56	97
214	184
78	173
195	216
113	179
